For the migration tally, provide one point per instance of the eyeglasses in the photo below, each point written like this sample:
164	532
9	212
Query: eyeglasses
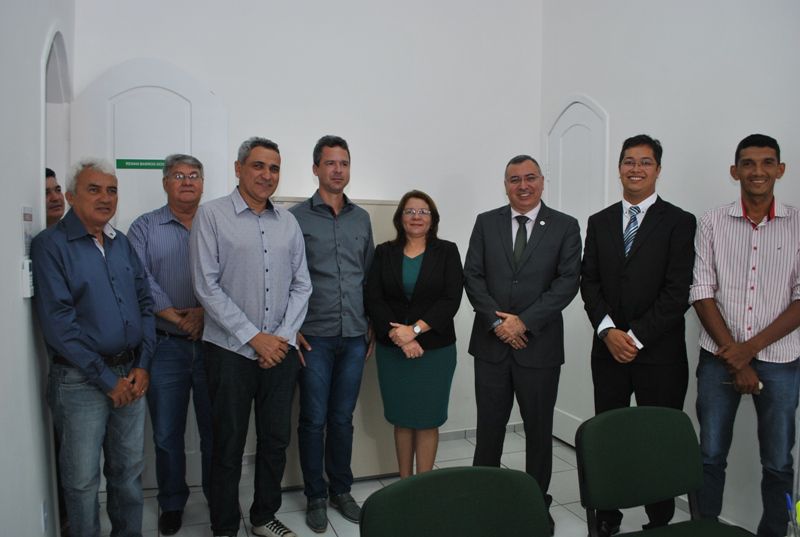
414	212
644	163
178	176
516	180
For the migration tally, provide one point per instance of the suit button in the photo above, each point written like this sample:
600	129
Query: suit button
515	282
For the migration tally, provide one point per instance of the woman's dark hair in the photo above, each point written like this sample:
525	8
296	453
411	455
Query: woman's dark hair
397	219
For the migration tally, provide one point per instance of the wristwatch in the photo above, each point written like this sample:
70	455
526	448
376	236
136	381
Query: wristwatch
603	333
417	329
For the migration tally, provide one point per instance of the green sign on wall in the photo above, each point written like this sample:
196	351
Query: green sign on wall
139	164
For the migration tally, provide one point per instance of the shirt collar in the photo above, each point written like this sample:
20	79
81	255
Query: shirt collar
643	205
164	215
532	214
316	201
239	205
777	209
76	230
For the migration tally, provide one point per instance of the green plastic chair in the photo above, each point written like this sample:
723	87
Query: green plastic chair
635	456
464	502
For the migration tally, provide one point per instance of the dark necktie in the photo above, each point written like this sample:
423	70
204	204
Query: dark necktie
521	239
631	228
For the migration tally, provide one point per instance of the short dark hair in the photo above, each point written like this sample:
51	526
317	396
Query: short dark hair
642	139
49	173
179	158
251	143
329	140
519	159
757	140
397	219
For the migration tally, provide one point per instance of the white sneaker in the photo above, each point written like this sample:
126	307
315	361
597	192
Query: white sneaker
273	528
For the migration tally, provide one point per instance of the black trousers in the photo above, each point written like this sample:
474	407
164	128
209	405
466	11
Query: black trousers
235	385
653	385
536	389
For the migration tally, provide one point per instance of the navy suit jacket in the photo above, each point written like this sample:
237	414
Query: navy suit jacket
537	291
647	291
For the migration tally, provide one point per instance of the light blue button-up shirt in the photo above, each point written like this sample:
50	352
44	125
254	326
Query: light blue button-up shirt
249	272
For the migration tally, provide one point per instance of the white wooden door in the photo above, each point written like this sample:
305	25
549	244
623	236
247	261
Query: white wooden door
138	112
577	184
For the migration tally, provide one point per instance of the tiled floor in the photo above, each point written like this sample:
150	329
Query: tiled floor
566	508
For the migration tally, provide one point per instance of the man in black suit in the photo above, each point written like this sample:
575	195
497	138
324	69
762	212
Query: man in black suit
637	268
521	270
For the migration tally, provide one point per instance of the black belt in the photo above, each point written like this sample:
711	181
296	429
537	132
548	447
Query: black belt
170	334
121	358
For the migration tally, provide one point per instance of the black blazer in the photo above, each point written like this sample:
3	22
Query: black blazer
537	291
647	291
436	297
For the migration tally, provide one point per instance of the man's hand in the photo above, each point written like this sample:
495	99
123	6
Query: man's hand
510	328
737	355
139	379
123	393
302	344
621	346
746	381
370	342
519	343
271	350
412	350
401	334
191	321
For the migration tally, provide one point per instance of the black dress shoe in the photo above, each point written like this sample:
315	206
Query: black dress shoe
170	522
607	530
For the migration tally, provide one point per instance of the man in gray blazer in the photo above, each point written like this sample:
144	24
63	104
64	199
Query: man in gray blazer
522	269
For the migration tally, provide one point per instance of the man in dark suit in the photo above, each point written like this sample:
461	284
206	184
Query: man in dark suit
521	270
637	268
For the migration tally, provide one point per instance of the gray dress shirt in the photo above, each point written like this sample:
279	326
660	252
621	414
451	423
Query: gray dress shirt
249	272
339	251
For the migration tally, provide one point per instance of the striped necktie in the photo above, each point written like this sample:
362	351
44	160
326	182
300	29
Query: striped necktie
631	228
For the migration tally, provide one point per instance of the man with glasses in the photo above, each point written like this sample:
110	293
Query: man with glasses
161	238
746	292
637	268
521	270
333	342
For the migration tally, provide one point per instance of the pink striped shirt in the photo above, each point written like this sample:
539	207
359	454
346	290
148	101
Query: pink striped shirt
752	273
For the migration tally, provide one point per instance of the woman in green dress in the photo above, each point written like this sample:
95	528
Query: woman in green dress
413	292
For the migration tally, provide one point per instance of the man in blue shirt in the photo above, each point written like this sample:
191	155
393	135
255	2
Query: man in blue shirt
96	315
339	248
249	272
161	238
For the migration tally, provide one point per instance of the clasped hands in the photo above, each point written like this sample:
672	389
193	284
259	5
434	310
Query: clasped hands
191	322
271	349
511	330
130	388
404	337
737	357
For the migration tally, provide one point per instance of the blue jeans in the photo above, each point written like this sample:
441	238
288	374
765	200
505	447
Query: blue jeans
237	385
86	423
329	386
178	370
717	403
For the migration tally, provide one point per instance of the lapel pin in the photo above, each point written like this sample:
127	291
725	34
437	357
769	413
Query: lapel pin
541	222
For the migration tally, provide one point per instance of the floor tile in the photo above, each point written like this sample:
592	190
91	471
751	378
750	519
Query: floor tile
293	500
566	453
454	463
515	461
567	524
577	509
362	489
296	521
342	526
455	449
196	510
564	487
386	481
560	465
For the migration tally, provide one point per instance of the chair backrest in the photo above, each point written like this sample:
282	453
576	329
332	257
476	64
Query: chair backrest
635	456
463	501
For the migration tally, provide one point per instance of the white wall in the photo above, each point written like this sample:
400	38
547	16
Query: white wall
699	76
430	95
26	31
